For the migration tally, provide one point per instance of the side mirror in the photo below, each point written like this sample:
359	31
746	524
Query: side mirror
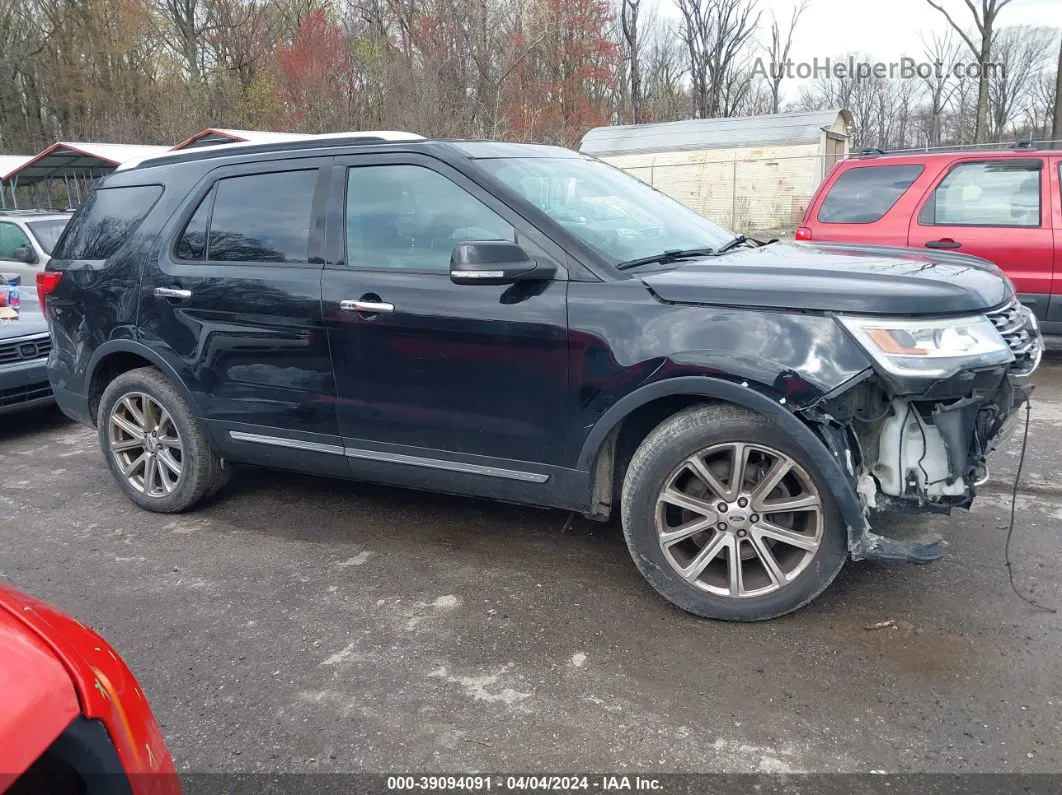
495	262
26	255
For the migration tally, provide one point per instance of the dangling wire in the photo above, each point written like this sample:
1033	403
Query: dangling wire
1013	508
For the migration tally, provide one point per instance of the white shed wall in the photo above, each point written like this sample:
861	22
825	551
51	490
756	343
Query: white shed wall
744	188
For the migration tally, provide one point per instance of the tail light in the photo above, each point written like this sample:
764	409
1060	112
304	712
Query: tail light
47	281
802	233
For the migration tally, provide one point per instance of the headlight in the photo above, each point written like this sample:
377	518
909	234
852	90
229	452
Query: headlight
930	348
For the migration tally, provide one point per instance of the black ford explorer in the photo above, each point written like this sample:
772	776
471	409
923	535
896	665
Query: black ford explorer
527	324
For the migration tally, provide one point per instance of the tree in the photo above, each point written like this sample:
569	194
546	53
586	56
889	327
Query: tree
186	22
734	27
985	23
1024	54
940	84
715	33
778	52
880	106
665	96
560	88
629	11
314	76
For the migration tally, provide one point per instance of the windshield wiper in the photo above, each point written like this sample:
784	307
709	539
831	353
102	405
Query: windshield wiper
666	257
740	240
737	240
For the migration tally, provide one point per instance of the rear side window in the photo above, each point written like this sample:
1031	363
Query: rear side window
863	195
192	243
986	194
254	218
47	232
106	221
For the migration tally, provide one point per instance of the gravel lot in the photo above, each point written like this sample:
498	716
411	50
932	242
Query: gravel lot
310	625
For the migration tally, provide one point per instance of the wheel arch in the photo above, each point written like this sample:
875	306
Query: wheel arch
119	356
600	456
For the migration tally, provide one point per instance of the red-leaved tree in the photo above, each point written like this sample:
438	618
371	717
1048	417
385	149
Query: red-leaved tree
315	76
560	90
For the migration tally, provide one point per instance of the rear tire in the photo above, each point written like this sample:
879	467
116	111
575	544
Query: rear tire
153	445
722	548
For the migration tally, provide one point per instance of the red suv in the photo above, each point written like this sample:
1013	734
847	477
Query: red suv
1003	206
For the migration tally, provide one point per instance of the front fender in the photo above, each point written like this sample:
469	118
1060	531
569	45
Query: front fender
839	480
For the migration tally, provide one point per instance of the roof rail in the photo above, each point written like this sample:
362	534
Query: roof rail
870	151
251	147
1025	144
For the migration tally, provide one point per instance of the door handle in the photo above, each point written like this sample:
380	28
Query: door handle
172	292
947	242
368	307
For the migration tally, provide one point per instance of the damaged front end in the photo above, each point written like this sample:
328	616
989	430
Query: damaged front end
920	442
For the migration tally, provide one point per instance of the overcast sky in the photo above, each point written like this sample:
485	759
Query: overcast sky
884	29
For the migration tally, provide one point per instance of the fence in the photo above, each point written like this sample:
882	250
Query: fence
757	195
761	195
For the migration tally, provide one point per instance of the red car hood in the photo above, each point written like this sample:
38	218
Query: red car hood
37	694
100	684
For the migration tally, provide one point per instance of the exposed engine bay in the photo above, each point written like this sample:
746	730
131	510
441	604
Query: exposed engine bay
931	453
917	445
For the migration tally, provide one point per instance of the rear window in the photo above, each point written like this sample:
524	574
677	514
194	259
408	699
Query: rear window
253	218
863	195
106	221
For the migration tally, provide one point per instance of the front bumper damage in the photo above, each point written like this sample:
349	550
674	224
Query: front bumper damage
917	447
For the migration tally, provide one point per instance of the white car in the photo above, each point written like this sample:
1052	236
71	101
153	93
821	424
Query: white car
26	240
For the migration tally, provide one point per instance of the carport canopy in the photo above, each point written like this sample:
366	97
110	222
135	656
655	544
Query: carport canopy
10	163
212	136
66	159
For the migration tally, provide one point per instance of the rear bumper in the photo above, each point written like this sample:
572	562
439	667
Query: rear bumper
24	385
74	405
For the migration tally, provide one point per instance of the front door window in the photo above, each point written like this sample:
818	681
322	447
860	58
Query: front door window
986	194
11	239
410	217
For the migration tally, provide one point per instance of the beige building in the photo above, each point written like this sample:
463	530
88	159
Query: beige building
754	173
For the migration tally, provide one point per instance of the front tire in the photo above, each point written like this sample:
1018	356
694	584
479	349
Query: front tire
153	444
745	548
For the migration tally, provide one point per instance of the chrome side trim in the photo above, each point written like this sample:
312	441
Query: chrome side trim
278	441
390	458
452	466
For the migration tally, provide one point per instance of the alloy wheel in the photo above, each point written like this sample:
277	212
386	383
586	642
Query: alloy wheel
739	519
145	444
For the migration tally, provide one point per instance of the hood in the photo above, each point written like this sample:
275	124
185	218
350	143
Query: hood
30	319
837	278
38	695
101	687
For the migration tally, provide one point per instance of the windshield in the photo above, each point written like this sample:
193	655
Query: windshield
620	216
47	232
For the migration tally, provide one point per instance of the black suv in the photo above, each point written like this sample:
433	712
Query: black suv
528	324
